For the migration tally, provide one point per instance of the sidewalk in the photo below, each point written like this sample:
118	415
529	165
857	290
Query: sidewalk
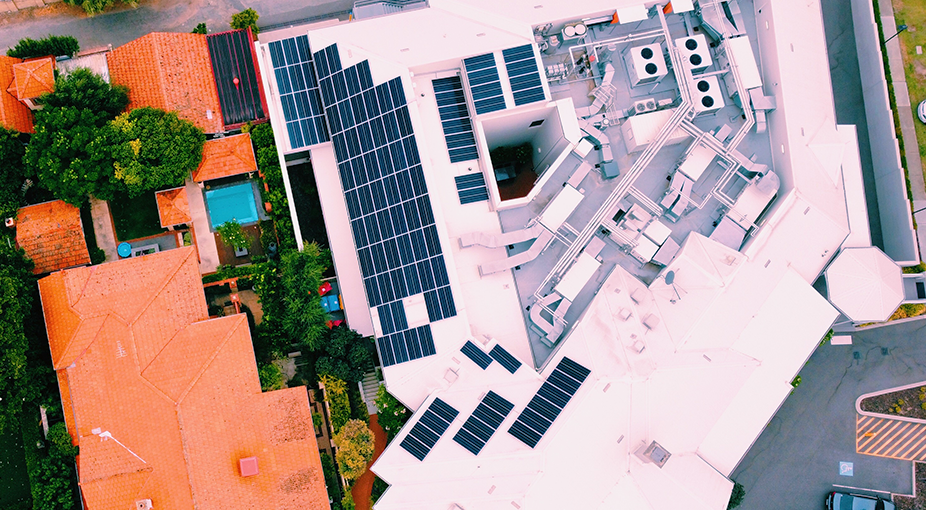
205	241
103	228
905	115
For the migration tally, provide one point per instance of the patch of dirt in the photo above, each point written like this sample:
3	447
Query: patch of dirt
910	403
49	11
919	68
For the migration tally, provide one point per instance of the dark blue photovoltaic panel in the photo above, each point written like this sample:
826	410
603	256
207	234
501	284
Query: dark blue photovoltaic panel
484	83
432	424
387	200
504	358
454	118
471	188
299	94
549	401
475	353
479	427
523	74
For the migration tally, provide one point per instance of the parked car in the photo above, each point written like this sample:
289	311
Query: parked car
921	111
846	501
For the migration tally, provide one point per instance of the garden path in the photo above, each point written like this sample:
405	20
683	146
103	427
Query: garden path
364	485
103	228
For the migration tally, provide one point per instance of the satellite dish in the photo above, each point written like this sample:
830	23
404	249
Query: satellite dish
670	277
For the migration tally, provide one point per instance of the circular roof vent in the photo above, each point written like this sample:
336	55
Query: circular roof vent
646	53
704	86
695	60
707	101
581	29
691	44
651	68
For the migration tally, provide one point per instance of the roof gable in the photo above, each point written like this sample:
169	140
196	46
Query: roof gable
33	78
13	113
224	157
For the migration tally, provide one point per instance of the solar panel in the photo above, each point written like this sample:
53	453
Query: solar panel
484	83
471	188
387	201
432	424
523	74
454	118
504	358
475	353
232	56
479	427
299	92
548	402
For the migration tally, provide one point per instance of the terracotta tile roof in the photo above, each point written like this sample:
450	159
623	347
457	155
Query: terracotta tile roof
170	71
33	78
173	207
224	157
13	113
178	393
52	236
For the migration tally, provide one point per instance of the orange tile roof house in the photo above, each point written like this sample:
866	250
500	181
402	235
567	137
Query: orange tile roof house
32	78
52	235
173	207
224	157
172	72
165	403
14	114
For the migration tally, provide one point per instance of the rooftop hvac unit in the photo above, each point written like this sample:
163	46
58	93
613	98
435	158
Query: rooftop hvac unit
644	106
143	504
706	95
645	64
575	30
695	52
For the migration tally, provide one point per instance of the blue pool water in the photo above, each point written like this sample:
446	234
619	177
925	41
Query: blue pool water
232	203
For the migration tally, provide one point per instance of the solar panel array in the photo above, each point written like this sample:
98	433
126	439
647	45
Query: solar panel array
479	427
471	188
454	119
298	88
549	401
505	359
475	353
523	74
387	200
432	424
484	83
232	56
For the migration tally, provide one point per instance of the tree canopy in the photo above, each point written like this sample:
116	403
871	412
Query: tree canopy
392	414
244	19
82	88
344	354
301	276
56	45
12	150
152	148
233	235
355	442
16	280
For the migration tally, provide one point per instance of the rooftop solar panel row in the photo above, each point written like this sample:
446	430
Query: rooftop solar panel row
504	358
476	354
299	94
523	75
548	402
432	424
471	188
485	420
236	78
391	218
454	117
484	83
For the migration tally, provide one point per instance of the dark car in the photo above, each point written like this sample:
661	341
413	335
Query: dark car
845	501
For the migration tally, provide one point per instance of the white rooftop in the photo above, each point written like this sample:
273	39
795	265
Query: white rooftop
865	284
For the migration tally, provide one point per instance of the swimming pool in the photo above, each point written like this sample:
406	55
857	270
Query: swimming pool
232	203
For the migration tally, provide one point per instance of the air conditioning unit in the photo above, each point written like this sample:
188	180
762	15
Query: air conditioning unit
695	52
644	106
706	95
143	504
9	222
645	64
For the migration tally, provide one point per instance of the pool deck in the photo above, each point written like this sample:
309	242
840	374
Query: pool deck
202	234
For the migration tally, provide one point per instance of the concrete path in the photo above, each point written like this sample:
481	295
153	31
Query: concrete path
905	115
103	228
202	234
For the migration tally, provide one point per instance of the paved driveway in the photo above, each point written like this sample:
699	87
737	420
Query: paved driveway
126	23
795	461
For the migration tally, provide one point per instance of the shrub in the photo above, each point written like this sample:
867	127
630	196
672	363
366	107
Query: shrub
300	276
200	29
316	421
60	441
392	414
92	7
331	478
233	235
379	487
796	382
56	45
347	503
338	401
271	377
246	19
736	497
355	444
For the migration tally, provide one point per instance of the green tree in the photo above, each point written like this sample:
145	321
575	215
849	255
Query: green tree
300	277
51	485
271	377
83	89
200	29
392	414
93	7
233	235
332	481
61	444
355	442
56	45
244	19
344	354
152	149
736	497
347	502
338	401
16	281
12	149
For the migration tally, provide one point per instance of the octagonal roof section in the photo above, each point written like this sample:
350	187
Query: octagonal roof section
33	78
173	207
225	157
864	284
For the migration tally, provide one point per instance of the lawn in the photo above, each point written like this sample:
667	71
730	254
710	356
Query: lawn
913	14
136	217
14	480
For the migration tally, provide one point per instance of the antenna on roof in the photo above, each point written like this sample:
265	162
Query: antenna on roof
670	280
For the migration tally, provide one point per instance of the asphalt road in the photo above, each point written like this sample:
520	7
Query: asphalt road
795	461
125	23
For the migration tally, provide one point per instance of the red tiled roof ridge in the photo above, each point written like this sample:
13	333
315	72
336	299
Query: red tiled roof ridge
20	87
